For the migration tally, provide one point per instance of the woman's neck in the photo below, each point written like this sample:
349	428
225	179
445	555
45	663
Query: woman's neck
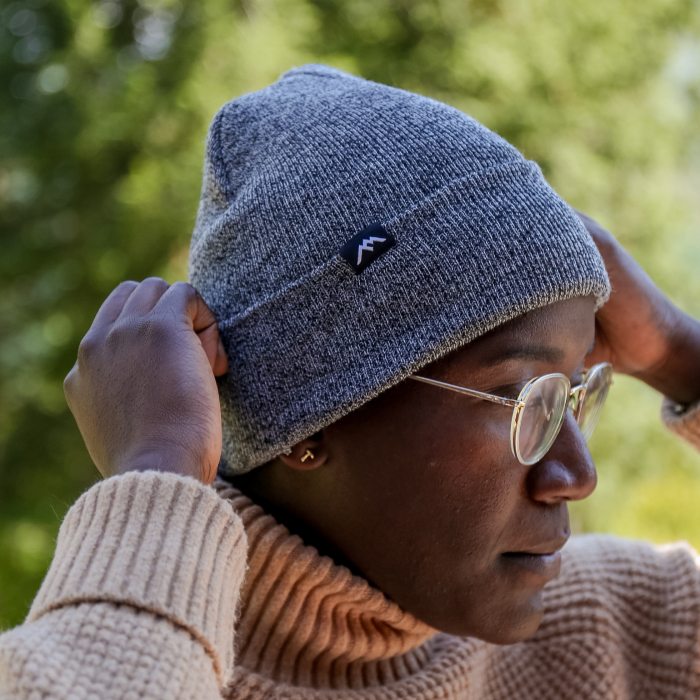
306	619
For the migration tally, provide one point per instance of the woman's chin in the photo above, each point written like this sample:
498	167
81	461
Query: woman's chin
499	623
516	622
514	631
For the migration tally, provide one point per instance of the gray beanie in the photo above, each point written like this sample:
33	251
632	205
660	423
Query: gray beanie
349	233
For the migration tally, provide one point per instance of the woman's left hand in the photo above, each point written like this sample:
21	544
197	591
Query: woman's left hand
639	330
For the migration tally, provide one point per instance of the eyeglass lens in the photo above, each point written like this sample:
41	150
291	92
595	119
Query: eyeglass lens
545	408
541	417
596	393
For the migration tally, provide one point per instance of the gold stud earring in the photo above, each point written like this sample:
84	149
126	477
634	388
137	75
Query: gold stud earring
307	455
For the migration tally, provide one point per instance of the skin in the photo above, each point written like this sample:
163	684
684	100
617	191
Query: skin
417	490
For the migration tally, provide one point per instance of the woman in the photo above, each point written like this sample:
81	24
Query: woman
400	312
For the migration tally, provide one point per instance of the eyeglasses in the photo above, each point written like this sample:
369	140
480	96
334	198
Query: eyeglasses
539	410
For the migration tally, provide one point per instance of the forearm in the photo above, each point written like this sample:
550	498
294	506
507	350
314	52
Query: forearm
107	651
142	589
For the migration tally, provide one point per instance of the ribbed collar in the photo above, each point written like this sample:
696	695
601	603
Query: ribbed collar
305	620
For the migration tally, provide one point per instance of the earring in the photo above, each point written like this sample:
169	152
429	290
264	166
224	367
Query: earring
307	455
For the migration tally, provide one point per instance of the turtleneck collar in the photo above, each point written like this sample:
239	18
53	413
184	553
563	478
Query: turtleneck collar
305	620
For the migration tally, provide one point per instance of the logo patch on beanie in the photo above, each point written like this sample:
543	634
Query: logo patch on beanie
366	246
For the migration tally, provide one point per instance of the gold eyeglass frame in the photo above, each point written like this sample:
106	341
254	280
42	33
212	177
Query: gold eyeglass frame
575	401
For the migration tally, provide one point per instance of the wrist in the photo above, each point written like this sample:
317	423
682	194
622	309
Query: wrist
174	461
677	374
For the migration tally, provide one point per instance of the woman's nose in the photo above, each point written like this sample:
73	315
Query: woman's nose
566	472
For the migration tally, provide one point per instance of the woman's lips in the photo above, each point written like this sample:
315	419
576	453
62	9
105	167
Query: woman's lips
541	567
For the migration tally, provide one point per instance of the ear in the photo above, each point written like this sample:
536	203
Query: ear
308	454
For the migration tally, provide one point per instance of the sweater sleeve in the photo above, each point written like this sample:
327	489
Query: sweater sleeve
684	421
140	598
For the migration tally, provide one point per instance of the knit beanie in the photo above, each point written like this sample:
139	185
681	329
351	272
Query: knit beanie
351	232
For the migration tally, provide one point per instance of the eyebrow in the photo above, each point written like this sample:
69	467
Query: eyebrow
543	353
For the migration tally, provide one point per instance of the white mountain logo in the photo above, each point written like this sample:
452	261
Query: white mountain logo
368	244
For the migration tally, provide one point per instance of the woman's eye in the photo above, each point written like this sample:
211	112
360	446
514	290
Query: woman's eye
513	390
509	390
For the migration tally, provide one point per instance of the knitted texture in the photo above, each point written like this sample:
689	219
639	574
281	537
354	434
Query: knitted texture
144	599
103	552
351	232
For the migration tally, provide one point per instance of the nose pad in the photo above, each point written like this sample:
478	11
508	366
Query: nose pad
575	398
567	471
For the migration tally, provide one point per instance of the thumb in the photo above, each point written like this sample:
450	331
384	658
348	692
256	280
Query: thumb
214	349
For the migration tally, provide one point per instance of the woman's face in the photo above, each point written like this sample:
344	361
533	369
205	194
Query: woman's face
418	491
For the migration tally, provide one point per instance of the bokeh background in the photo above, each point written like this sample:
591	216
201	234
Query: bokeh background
102	125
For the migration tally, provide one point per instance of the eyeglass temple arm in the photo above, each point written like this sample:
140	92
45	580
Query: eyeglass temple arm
470	392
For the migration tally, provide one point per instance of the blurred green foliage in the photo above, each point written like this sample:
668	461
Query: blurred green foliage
102	130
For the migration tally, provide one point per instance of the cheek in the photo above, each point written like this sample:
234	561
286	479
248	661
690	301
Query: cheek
429	505
477	488
440	467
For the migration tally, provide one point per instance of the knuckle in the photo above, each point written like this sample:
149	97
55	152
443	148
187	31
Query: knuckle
127	284
69	381
186	289
87	346
159	281
182	296
605	240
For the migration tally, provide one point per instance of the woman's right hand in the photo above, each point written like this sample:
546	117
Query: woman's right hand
143	391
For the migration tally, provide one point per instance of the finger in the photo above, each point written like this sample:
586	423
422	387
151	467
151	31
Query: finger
69	381
112	306
601	235
214	349
600	352
145	297
221	365
183	299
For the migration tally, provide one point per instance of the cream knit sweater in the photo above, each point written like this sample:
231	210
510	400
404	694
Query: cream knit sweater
150	595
